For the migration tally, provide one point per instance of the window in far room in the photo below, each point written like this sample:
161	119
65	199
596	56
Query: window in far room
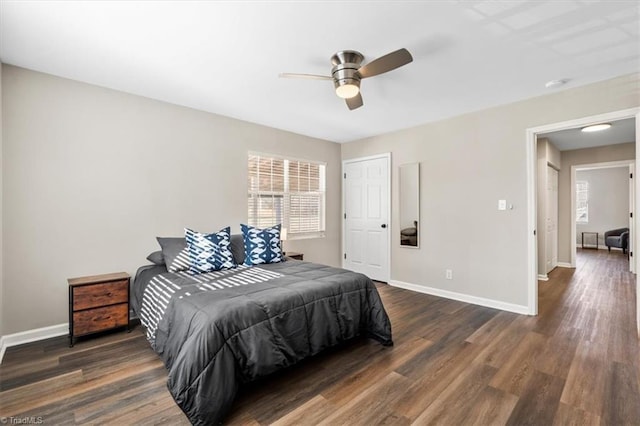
582	201
287	191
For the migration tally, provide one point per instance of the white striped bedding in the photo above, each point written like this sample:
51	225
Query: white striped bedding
162	288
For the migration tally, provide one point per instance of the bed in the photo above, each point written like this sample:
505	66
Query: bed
218	330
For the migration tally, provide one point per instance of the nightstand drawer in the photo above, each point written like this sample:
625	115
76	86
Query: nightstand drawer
94	295
98	303
98	319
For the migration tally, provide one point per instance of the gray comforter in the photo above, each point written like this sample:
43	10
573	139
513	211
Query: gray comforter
216	331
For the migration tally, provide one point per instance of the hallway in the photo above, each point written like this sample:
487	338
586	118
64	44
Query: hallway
591	310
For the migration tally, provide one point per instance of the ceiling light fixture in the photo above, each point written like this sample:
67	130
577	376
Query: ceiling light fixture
347	90
596	127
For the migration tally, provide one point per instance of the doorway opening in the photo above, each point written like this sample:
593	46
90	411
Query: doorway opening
532	196
617	179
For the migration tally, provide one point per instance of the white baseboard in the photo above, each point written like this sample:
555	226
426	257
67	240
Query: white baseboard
600	247
565	265
475	300
31	336
543	277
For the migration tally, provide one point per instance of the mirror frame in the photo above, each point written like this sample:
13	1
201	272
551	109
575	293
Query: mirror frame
409	176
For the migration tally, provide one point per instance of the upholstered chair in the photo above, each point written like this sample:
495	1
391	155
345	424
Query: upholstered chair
617	238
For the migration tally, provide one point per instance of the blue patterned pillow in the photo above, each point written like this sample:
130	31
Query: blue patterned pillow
209	252
261	245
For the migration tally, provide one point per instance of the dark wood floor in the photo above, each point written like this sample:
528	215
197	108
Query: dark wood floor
452	363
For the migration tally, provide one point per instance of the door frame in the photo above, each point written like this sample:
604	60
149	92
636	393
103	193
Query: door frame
386	156
594	166
531	153
633	236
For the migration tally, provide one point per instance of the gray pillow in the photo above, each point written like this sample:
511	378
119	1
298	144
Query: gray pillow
237	248
156	258
175	253
409	232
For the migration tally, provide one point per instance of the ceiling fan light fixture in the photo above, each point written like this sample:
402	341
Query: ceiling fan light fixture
346	80
348	70
596	127
347	90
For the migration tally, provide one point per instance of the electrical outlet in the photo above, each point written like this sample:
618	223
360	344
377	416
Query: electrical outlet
448	273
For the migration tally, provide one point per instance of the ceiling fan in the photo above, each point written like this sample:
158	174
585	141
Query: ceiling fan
347	72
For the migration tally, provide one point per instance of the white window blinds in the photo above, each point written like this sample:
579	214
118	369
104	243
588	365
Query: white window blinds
582	202
286	191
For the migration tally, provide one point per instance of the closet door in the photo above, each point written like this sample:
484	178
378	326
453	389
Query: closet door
552	218
366	201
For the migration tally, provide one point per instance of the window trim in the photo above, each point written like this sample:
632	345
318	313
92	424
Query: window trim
287	194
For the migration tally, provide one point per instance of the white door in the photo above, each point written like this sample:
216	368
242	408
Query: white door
552	218
366	217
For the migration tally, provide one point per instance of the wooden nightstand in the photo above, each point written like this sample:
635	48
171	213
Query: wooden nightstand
294	255
98	303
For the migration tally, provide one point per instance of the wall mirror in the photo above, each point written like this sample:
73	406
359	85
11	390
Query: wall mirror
409	182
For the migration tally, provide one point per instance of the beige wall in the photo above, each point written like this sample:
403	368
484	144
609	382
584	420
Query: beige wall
468	163
608	201
553	156
601	154
93	175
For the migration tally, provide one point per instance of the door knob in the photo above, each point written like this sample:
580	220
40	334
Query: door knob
384	225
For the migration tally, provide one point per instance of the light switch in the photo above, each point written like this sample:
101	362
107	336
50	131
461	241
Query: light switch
502	204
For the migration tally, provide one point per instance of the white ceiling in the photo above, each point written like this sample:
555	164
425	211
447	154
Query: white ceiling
225	57
621	131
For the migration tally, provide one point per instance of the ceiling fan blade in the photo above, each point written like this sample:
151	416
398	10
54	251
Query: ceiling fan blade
307	76
386	63
355	102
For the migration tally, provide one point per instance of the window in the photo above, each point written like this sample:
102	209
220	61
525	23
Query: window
582	201
287	191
